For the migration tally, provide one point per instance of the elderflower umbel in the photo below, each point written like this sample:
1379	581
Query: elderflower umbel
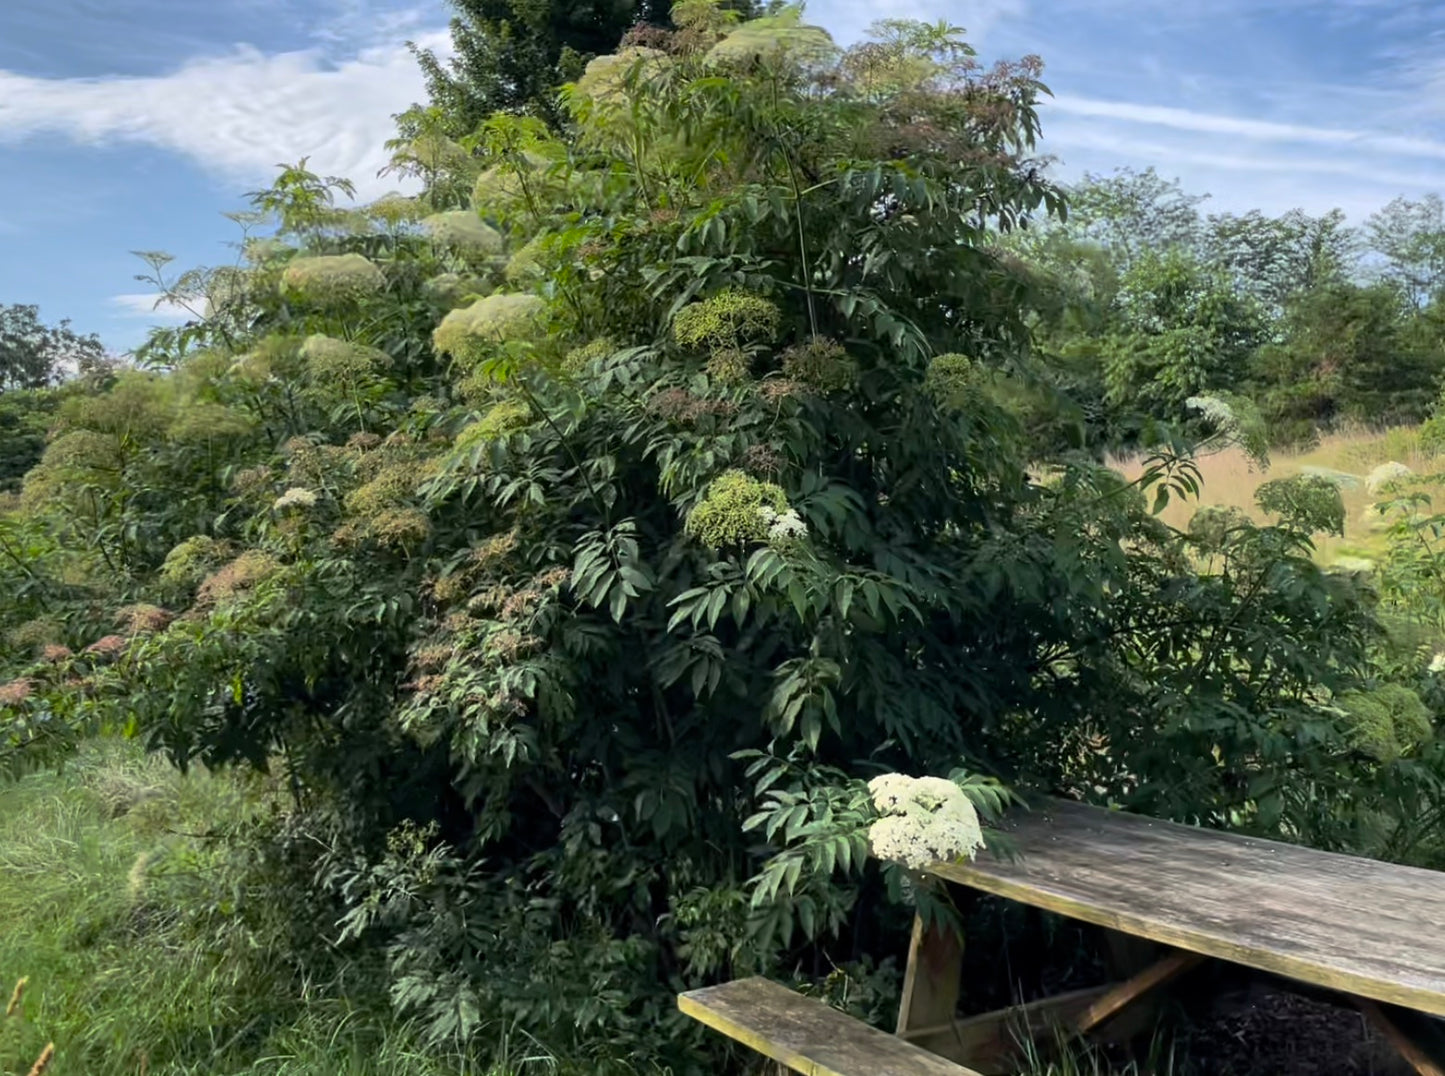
464	231
295	497
332	278
925	820
1386	475
783	526
490	320
730	512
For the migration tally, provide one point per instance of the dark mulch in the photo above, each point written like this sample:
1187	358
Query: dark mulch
1258	1030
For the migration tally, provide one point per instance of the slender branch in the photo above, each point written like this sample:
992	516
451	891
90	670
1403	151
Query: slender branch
567	448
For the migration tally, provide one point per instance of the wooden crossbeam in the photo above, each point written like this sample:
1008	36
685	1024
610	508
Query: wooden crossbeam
1132	989
990	1041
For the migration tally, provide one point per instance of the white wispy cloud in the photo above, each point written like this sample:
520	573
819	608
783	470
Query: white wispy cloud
238	115
150	306
1247	162
1236	127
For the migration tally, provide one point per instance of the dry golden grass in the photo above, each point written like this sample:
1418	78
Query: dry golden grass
1231	480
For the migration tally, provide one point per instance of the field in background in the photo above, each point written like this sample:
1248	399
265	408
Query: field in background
1231	479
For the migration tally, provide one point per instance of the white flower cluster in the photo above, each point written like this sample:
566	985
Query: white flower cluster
925	820
506	186
464	231
1437	663
1386	475
770	39
332	278
295	497
783	526
1218	413
490	320
605	78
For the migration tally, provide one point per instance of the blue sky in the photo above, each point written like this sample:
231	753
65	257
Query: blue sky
134	124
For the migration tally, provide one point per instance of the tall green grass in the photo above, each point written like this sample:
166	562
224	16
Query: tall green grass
114	907
1068	1056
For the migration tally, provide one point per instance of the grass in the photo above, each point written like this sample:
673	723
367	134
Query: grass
1231	480
95	864
1069	1057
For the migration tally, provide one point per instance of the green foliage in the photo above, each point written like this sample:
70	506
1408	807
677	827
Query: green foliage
1309	503
1148	304
34	355
1275	259
1347	353
303	202
1387	721
511	57
123	915
25	417
1411	237
1184	333
525	615
1134	214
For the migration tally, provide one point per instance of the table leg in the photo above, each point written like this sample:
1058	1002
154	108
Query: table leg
1421	1062
930	983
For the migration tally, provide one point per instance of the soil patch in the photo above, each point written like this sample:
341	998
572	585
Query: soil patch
1258	1030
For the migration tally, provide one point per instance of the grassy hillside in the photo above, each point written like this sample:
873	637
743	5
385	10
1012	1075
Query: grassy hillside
1231	480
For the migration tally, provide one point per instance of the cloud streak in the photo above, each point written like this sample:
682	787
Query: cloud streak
238	115
1179	119
151	307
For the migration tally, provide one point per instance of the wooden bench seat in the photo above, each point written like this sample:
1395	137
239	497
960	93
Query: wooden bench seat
806	1035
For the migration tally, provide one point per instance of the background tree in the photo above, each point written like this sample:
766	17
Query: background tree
1131	212
1348	351
1409	237
34	355
1273	259
512	55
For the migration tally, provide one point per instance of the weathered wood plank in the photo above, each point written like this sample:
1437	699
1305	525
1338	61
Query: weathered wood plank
931	978
1132	989
808	1036
1370	929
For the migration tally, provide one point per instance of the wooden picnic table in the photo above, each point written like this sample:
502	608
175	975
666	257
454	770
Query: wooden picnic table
1369	932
